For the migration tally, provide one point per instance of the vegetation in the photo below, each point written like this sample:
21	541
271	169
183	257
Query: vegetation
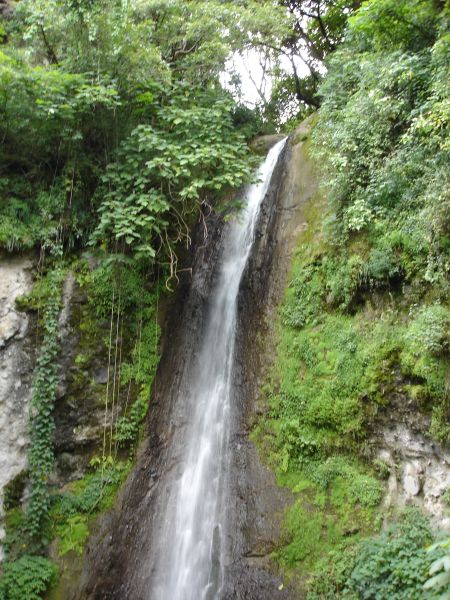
76	507
28	578
118	321
118	135
40	456
393	564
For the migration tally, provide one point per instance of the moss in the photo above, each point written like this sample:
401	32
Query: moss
322	519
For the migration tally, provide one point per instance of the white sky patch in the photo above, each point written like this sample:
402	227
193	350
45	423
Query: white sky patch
248	75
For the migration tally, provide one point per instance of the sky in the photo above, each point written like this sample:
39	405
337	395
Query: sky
248	68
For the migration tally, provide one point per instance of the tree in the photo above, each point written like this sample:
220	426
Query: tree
313	29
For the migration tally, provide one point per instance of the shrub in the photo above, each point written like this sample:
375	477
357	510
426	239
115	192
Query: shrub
27	578
73	534
343	280
306	295
382	266
394	564
440	571
429	330
360	489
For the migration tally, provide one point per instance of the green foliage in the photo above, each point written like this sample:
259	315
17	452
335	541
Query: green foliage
120	124
40	295
429	330
307	289
45	381
395	564
48	118
94	492
365	317
337	363
74	507
385	175
326	517
119	288
16	536
331	575
162	173
385	25
73	534
361	489
439	581
118	284
128	426
344	281
27	578
141	370
328	380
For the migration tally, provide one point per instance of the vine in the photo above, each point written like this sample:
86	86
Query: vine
41	423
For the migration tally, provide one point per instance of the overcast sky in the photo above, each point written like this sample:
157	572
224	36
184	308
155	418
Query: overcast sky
250	71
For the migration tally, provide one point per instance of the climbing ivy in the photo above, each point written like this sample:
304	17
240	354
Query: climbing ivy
41	456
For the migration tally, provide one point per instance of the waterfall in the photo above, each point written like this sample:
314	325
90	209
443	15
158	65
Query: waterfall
190	565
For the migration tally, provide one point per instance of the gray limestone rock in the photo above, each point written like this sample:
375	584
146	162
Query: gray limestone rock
16	366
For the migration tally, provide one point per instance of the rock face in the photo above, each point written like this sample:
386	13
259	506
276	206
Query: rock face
83	362
6	9
419	472
264	143
16	367
257	504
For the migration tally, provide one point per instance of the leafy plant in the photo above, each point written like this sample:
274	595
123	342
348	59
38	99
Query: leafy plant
73	509
395	564
27	578
164	172
439	571
72	535
428	330
94	492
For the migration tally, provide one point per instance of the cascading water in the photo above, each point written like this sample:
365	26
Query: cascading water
190	561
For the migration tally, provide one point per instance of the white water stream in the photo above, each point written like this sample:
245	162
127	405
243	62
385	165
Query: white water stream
190	565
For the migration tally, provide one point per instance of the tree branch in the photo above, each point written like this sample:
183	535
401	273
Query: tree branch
50	52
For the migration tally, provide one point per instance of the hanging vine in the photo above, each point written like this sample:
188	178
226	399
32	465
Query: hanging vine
41	423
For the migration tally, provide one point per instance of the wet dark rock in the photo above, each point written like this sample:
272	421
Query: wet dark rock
6	9
101	376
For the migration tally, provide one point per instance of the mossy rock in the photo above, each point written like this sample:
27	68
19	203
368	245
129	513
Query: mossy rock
14	490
